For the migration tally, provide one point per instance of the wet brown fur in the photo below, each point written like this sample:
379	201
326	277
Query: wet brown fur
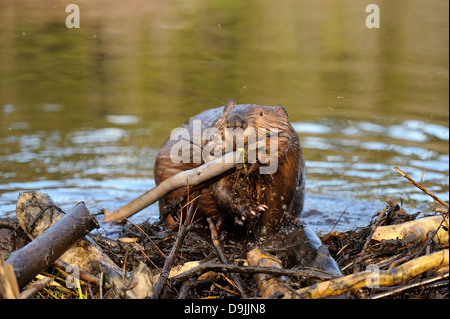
239	192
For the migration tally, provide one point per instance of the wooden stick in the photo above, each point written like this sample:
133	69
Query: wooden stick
301	274
415	230
423	189
191	177
366	244
184	230
61	266
433	234
35	288
223	258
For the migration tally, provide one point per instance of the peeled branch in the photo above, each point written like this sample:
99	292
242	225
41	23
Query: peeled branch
190	177
415	230
8	282
370	278
268	285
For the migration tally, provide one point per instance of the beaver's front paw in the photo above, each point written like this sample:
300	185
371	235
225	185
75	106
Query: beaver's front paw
249	213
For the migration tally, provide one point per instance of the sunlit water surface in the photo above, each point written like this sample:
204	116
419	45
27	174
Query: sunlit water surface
84	111
105	170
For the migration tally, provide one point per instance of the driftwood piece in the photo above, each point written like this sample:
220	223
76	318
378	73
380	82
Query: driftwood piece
414	230
36	212
191	177
12	237
268	285
392	277
51	244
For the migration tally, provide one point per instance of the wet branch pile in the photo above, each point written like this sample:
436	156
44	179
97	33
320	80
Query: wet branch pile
396	256
396	239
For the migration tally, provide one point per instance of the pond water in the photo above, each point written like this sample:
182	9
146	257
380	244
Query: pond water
83	111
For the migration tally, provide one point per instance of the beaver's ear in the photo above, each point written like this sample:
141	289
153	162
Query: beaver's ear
229	105
281	110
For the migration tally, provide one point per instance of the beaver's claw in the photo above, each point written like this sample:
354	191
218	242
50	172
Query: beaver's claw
254	212
262	208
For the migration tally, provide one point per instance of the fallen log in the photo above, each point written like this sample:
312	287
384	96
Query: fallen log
36	212
51	244
395	276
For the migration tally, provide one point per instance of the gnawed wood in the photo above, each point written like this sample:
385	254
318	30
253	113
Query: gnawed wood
51	244
190	177
369	278
414	230
268	285
9	289
36	212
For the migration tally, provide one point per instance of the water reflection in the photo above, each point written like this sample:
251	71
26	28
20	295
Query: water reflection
123	119
104	135
83	112
343	158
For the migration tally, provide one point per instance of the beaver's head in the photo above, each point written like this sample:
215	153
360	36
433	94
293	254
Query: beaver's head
253	116
244	124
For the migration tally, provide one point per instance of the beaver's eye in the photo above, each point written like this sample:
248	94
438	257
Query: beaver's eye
261	113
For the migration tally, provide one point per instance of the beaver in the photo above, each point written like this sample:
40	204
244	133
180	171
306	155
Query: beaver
245	200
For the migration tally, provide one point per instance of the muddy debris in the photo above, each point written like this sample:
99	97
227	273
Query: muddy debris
295	263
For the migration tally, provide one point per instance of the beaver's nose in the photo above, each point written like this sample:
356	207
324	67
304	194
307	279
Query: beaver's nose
236	121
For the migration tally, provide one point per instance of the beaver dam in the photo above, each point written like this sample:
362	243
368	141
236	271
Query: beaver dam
396	255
